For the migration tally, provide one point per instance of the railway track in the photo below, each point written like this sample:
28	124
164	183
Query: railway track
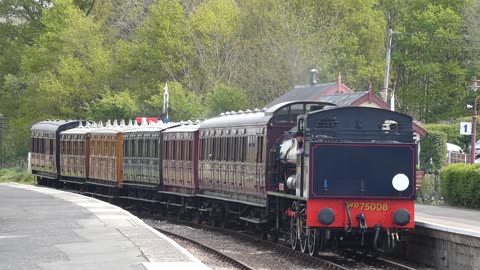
344	260
244	248
375	262
220	255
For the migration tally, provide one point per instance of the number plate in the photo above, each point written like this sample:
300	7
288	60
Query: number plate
368	206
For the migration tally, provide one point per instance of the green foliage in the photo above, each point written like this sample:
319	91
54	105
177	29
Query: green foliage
460	184
16	175
184	104
434	147
68	67
114	106
160	51
63	58
430	192
428	61
222	99
451	131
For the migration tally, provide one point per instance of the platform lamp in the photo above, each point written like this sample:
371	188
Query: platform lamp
474	87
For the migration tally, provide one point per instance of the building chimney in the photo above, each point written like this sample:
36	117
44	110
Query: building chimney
314	72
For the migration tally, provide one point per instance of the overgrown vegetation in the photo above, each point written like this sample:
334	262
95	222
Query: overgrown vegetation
460	185
434	147
430	193
74	59
16	175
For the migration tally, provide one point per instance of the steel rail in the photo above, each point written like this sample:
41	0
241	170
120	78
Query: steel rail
218	254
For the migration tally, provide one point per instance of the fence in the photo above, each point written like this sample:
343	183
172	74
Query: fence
456	157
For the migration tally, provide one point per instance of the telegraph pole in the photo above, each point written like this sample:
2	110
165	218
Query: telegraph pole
387	64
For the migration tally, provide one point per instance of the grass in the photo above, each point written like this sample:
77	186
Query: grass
16	175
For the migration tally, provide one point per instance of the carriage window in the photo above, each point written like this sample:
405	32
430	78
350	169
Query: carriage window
165	149
296	110
282	114
82	148
190	150
313	107
244	149
113	151
214	147
67	147
181	150
140	148
126	148
260	149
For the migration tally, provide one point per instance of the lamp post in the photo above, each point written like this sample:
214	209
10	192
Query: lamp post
474	132
474	123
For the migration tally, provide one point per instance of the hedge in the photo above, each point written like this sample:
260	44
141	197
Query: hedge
460	184
452	131
434	146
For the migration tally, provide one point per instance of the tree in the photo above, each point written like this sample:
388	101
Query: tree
223	98
184	104
428	61
213	27
68	66
64	69
113	106
159	52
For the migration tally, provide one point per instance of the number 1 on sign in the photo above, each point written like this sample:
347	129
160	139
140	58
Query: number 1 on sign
465	128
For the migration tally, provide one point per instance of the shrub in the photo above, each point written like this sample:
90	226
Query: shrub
434	146
460	184
452	132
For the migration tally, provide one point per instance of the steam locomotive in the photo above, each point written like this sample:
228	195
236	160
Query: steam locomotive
349	179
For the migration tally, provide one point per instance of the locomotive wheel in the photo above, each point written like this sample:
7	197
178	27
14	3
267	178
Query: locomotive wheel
293	233
313	241
303	236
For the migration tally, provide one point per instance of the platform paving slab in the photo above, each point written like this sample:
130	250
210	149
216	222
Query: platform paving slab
47	229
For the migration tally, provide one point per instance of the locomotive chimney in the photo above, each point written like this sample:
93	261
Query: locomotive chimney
314	72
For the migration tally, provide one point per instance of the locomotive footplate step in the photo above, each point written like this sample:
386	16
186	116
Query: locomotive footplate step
254	220
49	229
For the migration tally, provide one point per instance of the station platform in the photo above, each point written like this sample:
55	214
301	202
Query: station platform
48	229
447	238
449	219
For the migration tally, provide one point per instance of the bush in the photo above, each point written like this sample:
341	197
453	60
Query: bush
460	184
434	146
452	132
430	193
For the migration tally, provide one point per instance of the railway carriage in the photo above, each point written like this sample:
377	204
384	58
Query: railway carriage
142	160
234	161
180	168
45	154
105	175
75	155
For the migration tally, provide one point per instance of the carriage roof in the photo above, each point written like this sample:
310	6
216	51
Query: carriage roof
256	117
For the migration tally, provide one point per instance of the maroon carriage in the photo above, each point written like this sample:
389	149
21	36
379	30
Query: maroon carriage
234	157
180	166
45	157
